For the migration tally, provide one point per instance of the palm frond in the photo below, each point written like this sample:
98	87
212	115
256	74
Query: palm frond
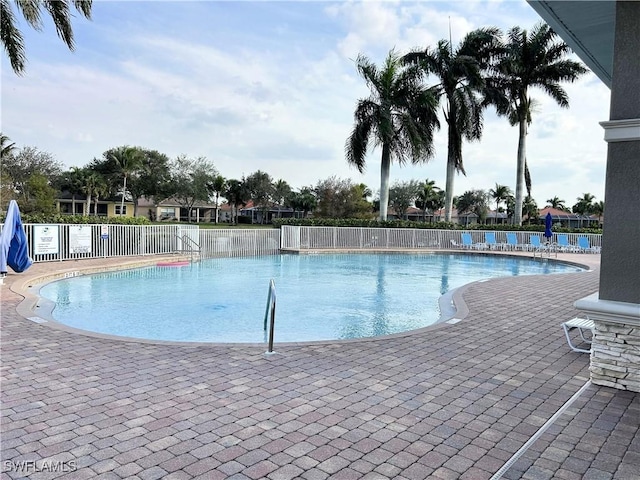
556	92
11	37
31	12
357	144
527	177
84	7
59	11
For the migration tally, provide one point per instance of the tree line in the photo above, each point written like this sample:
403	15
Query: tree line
35	179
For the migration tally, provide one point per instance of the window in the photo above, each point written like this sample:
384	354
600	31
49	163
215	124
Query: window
102	209
167	214
124	210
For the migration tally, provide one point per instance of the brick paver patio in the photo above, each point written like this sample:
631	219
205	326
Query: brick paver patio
451	402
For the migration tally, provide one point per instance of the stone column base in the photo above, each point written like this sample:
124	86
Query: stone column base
615	351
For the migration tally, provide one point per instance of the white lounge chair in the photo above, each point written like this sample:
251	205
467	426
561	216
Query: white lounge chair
580	324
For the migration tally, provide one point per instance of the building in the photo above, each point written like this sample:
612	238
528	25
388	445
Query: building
605	35
73	204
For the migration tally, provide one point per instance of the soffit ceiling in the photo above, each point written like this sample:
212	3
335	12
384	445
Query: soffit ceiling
588	27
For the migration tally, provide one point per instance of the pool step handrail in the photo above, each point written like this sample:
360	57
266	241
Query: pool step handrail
271	307
189	245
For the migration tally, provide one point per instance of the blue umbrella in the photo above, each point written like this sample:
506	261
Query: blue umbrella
14	250
548	221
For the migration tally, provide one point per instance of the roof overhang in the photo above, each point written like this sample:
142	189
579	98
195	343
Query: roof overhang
588	27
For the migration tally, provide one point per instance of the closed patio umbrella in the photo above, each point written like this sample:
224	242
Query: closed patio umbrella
13	242
548	222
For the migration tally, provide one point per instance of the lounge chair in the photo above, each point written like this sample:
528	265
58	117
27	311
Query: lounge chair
490	241
512	241
585	247
467	242
563	244
580	324
535	245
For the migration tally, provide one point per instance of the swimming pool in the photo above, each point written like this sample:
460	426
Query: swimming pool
319	297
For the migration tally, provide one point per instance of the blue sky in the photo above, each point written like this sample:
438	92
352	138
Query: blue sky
272	86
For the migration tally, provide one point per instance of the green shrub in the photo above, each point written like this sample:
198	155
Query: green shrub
358	222
82	219
352	222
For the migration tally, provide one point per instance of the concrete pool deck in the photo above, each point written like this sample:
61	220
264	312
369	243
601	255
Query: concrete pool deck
456	401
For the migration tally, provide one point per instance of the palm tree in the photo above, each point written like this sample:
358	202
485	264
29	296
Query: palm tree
598	209
236	193
89	183
304	201
500	194
530	209
399	116
98	188
12	39
366	191
281	191
428	197
511	206
128	160
6	148
474	201
217	186
555	202
460	72
531	59
584	206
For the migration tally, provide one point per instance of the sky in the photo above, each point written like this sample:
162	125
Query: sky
272	86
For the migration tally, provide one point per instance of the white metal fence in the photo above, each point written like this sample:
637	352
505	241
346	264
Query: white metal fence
239	242
312	238
59	242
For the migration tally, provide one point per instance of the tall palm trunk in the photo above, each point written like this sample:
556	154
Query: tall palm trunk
217	200
88	204
451	159
522	152
385	165
124	189
448	199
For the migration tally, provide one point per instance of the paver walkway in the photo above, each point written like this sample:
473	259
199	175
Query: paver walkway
452	402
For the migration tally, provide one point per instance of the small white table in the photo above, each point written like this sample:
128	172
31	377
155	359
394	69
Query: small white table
581	324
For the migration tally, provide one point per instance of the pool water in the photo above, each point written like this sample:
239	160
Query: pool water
319	297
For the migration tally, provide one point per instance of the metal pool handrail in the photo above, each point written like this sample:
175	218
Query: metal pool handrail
271	305
191	245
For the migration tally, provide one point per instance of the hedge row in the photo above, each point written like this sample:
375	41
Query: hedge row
310	222
354	222
81	219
